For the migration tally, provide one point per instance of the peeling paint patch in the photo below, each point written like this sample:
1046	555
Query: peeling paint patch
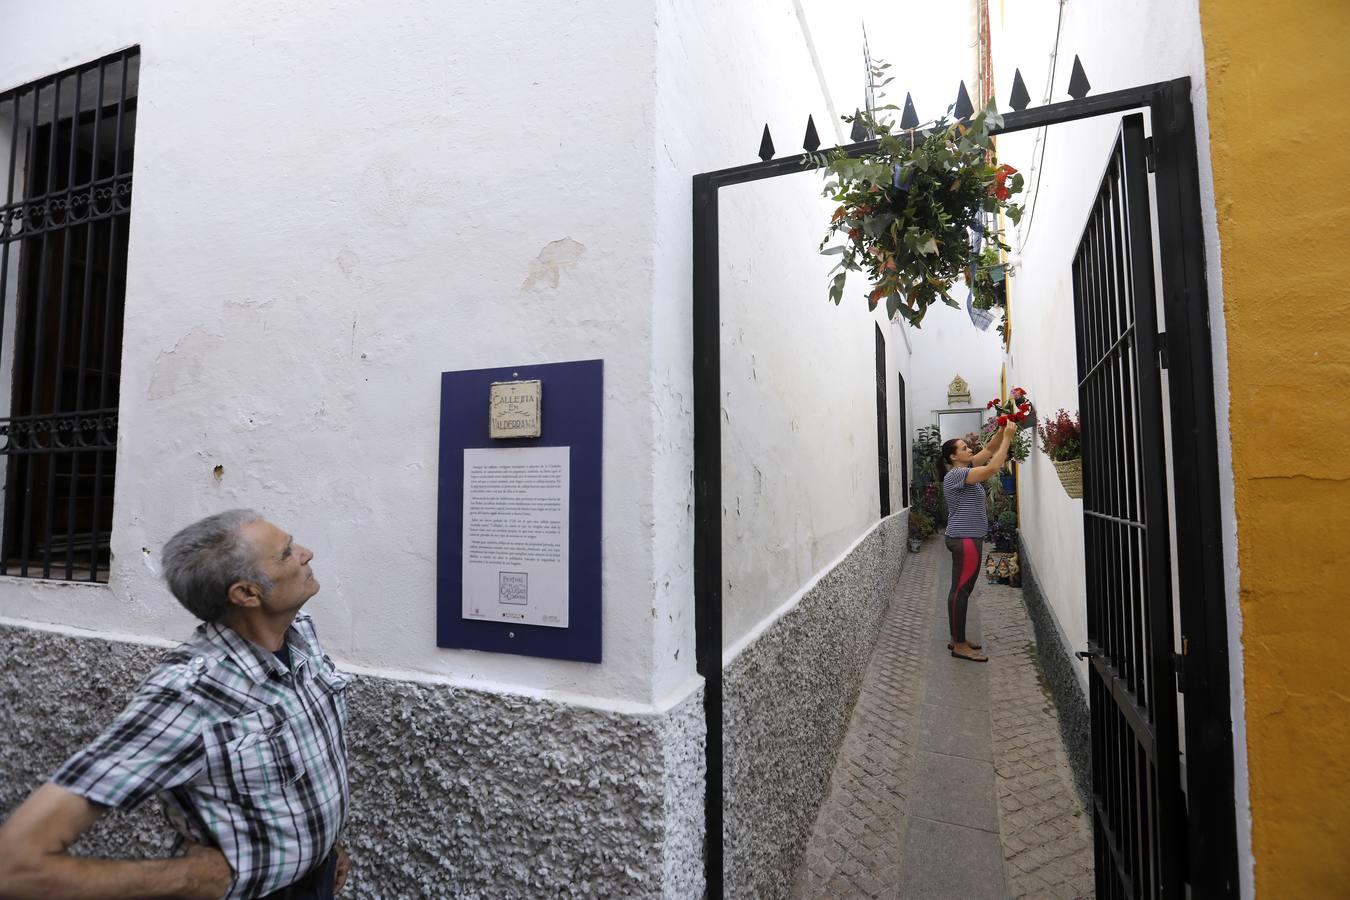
181	367
546	269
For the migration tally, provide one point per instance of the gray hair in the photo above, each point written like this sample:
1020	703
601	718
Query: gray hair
205	558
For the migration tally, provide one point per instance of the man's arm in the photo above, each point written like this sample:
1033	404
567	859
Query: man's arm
34	863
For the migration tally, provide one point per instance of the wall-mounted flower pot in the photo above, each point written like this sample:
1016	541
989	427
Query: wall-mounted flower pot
1070	473
915	544
1009	483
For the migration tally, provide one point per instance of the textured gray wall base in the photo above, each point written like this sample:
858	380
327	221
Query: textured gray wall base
1075	721
787	699
455	793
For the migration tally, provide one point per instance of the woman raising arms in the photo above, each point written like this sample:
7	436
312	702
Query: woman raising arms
964	473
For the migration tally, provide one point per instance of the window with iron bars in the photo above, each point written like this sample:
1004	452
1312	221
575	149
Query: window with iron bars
66	154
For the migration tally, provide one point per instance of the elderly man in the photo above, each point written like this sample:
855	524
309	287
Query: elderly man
239	731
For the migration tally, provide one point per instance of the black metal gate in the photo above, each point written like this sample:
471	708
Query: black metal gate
1138	808
1151	839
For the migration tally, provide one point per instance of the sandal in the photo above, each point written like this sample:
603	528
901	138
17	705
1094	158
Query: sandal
979	657
973	645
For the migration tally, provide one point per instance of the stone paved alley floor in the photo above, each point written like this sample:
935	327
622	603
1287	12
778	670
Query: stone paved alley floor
952	780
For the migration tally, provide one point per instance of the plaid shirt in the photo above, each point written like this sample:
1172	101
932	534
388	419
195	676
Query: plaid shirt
242	753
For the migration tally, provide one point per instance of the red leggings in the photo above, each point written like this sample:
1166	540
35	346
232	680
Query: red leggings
966	553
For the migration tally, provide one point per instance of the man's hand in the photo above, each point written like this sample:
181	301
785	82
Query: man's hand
344	866
209	875
34	862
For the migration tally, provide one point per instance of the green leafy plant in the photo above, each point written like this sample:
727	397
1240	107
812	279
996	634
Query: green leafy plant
1003	536
990	283
925	490
920	524
997	501
906	209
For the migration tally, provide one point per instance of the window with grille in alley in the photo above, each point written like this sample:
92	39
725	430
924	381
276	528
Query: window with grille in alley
66	156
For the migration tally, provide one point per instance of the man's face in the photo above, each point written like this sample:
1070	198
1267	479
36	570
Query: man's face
286	563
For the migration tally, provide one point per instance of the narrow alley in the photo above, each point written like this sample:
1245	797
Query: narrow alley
952	780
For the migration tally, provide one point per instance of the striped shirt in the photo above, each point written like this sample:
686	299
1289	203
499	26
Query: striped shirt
966	516
243	754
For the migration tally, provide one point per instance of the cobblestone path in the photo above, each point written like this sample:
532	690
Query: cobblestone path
952	781
1047	836
855	847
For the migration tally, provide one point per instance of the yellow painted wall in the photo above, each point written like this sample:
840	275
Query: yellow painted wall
1278	78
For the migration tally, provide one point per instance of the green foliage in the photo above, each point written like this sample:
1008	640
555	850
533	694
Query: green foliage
998	502
920	524
990	287
925	488
905	210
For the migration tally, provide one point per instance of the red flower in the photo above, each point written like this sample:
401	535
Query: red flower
999	188
1002	420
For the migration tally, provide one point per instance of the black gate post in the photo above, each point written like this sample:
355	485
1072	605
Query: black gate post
1204	662
708	511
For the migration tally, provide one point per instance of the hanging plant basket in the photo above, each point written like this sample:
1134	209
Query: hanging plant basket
914	213
1070	473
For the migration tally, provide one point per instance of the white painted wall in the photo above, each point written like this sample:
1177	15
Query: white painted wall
1108	38
799	439
946	345
333	205
799	430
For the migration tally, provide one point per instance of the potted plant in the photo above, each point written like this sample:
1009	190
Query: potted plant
988	282
1003	533
920	527
925	491
907	209
1062	441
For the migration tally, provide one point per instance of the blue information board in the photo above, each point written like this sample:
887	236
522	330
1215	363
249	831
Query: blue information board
571	416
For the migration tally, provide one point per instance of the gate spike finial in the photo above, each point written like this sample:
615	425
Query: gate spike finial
811	142
859	132
1020	98
909	119
1078	83
963	105
766	146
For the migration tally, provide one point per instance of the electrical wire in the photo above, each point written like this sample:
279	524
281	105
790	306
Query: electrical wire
1024	236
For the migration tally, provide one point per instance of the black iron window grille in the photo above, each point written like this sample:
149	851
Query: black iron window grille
66	154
